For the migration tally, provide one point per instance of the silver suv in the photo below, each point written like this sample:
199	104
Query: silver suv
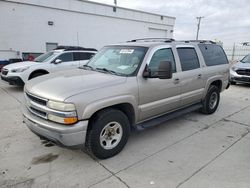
133	85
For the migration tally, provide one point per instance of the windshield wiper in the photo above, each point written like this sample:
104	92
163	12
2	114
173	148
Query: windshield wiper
108	71
86	67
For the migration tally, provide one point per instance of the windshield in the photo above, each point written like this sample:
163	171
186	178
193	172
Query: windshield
120	60
246	59
45	57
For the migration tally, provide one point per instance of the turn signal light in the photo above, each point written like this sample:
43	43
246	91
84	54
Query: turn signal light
70	120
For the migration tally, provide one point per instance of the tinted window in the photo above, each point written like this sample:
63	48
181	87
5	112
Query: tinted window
82	56
213	54
188	58
162	55
65	57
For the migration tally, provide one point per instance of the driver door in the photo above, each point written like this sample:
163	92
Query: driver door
159	96
66	62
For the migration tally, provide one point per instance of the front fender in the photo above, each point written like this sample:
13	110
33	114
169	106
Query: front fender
93	107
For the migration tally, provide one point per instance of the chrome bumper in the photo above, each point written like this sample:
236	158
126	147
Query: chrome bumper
239	78
65	135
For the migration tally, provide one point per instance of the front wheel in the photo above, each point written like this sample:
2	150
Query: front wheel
108	134
211	101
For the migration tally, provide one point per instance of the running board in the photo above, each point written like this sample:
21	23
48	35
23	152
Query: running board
167	117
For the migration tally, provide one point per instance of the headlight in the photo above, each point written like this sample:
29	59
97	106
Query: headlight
66	112
20	69
66	107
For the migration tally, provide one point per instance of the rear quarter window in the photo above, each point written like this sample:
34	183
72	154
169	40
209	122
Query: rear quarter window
213	54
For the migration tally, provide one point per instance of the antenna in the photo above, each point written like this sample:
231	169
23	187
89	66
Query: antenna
198	26
77	38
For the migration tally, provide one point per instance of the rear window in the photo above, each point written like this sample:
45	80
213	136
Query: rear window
213	54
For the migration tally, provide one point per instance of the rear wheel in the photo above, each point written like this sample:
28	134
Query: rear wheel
211	101
108	134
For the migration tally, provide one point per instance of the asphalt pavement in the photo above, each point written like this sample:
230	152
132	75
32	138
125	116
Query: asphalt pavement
194	150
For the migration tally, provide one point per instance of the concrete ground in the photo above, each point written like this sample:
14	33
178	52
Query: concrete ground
192	151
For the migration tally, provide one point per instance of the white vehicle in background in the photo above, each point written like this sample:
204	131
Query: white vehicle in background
62	58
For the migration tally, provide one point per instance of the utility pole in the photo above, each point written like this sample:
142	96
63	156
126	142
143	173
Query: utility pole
115	2
198	26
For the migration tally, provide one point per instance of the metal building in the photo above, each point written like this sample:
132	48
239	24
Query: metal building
36	26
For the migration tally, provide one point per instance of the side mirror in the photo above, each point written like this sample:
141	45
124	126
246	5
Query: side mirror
57	61
146	72
165	70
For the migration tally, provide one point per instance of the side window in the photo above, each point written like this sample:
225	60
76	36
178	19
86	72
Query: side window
213	54
78	56
189	59
65	57
165	54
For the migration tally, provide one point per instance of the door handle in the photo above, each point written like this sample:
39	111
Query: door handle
199	75
176	80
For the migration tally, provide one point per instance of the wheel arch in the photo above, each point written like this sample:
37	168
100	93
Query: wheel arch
125	107
216	81
38	71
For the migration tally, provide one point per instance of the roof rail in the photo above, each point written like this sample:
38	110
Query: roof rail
153	40
68	48
200	41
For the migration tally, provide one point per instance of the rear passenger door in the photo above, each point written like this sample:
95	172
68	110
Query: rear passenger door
82	57
191	79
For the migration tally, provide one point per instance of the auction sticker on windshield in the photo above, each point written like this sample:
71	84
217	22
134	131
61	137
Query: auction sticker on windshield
126	51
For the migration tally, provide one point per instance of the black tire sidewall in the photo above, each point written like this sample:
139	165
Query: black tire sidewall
99	122
211	90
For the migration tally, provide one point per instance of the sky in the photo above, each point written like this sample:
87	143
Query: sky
224	20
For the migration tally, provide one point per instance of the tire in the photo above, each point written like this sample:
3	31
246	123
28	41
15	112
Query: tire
232	83
211	101
108	134
36	75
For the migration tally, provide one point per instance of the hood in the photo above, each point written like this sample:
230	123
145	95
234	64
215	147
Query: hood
242	65
61	85
20	65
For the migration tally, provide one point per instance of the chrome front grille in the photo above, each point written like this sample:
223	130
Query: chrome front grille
243	72
38	112
37	99
5	71
36	105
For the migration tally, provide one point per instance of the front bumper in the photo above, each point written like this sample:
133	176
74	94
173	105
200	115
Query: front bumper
63	135
234	77
13	80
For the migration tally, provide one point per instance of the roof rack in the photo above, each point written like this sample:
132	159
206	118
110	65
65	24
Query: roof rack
153	40
200	41
68	48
